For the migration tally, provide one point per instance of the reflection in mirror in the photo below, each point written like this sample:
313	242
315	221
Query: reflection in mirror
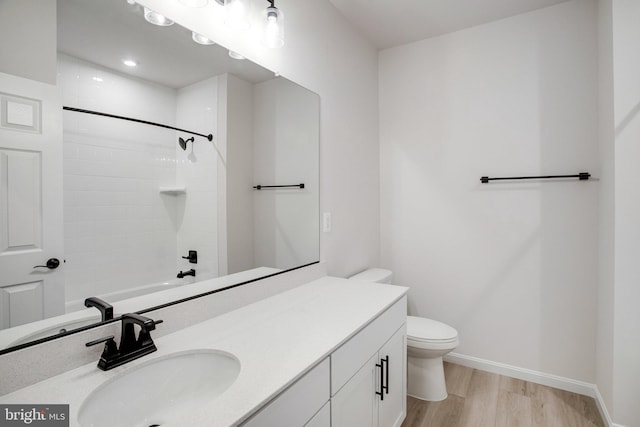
150	214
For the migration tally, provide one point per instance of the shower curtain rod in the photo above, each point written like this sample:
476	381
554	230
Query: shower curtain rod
582	176
113	116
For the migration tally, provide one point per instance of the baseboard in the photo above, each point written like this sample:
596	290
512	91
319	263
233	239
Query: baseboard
556	381
603	409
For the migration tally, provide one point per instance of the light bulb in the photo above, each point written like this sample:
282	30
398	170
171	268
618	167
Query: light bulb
155	18
273	36
236	14
194	3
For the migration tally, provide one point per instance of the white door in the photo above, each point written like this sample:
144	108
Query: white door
393	407
31	222
356	404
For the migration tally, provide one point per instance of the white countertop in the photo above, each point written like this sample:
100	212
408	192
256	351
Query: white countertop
277	340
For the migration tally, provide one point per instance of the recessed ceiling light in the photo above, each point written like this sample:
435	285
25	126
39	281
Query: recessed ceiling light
97	79
155	18
200	39
129	62
235	55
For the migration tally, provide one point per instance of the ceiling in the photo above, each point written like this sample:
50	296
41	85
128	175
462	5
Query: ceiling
106	31
395	22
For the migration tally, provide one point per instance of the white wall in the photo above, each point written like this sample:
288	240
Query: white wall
238	168
606	277
513	266
286	139
119	231
33	23
325	54
626	333
197	171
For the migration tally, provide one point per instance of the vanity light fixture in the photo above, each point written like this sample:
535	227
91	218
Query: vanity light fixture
194	3
273	36
237	14
200	39
155	18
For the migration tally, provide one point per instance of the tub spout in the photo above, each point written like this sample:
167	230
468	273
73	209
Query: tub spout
182	274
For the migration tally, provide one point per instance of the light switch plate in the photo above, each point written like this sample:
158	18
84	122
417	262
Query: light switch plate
326	222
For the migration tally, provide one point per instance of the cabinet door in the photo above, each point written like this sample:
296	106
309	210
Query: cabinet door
393	406
356	404
322	418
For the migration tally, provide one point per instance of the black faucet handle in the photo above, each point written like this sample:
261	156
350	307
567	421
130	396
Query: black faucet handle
192	257
101	340
106	309
110	349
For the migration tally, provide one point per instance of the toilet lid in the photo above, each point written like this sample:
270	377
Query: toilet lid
423	329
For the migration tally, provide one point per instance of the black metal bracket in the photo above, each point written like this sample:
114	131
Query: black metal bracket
582	176
261	187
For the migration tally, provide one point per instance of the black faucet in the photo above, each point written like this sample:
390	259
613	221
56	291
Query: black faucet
182	274
131	347
106	310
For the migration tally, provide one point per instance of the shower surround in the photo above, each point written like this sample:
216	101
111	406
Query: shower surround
121	232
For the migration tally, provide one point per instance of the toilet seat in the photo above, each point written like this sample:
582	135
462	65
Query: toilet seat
422	331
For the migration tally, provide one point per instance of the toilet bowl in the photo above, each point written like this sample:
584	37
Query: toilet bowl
427	342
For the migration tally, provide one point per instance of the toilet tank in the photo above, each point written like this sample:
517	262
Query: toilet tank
378	275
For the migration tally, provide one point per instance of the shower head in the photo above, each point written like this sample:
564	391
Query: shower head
183	142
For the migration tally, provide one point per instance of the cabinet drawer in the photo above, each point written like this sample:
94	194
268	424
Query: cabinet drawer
297	404
348	359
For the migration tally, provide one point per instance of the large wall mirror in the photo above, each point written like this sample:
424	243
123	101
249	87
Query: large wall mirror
140	202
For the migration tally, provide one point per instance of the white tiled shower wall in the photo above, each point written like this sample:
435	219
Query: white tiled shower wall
197	171
120	232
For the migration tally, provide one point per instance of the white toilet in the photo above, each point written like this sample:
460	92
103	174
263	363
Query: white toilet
427	341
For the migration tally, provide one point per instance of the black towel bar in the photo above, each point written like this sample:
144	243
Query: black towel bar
260	187
582	176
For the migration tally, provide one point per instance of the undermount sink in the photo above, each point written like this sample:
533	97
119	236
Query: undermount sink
159	391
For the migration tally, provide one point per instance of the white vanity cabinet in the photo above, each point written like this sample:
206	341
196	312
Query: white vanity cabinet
307	358
305	403
368	374
362	383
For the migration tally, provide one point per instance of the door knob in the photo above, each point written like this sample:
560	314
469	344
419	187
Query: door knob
52	264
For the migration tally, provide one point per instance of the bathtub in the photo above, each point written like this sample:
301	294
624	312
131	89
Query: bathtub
126	301
126	294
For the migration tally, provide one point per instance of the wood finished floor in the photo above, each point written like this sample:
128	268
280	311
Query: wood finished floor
482	399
